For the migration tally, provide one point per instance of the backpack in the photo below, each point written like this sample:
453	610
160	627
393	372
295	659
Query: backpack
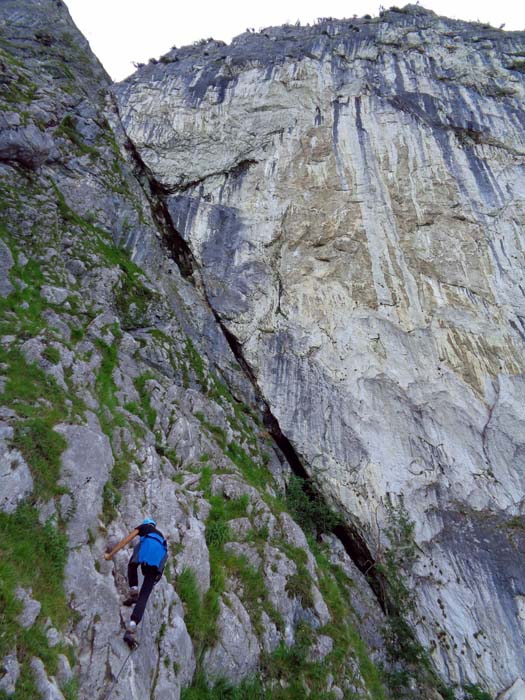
153	550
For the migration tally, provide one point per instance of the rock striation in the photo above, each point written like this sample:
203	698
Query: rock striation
353	195
272	295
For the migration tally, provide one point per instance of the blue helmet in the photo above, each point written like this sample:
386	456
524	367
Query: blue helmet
148	521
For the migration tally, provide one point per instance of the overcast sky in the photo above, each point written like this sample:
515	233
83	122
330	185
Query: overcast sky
123	31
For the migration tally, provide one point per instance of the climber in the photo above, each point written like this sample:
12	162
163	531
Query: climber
151	552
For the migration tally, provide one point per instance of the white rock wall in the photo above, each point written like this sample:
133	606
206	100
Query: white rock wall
355	199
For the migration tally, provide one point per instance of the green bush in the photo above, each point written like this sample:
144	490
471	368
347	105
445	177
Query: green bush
217	533
52	354
196	363
250	689
255	475
474	692
111	495
186	586
105	384
299	586
133	299
309	508
148	412
200	612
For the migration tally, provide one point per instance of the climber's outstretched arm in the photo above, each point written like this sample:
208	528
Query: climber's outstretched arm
122	543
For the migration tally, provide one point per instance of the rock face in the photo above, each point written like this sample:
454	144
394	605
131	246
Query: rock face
122	397
302	252
353	195
15	476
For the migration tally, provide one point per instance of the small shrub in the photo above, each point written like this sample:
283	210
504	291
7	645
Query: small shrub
132	299
249	689
474	692
186	586
111	496
217	533
308	507
105	384
196	363
51	354
300	586
149	413
254	474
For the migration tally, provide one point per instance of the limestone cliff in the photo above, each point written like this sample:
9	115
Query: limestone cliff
353	194
302	252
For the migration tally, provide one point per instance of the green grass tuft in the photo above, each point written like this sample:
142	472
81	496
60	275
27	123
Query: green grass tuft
33	555
308	507
148	412
474	692
52	354
111	496
249	689
133	298
40	404
42	448
28	390
68	129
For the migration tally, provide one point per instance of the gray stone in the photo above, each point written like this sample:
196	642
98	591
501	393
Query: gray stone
96	601
54	295
6	263
31	611
76	267
47	511
293	534
373	287
86	466
58	324
247	551
321	647
320	607
194	554
176	646
16	481
277	569
9	673
64	670
9	120
53	637
270	634
370	619
240	527
47	687
515	692
237	652
26	145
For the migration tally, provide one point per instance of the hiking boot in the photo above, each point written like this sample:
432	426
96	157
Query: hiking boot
129	636
130	639
133	596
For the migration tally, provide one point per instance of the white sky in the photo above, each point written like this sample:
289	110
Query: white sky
123	31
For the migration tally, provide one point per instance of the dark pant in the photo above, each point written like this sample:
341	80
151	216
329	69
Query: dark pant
150	578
